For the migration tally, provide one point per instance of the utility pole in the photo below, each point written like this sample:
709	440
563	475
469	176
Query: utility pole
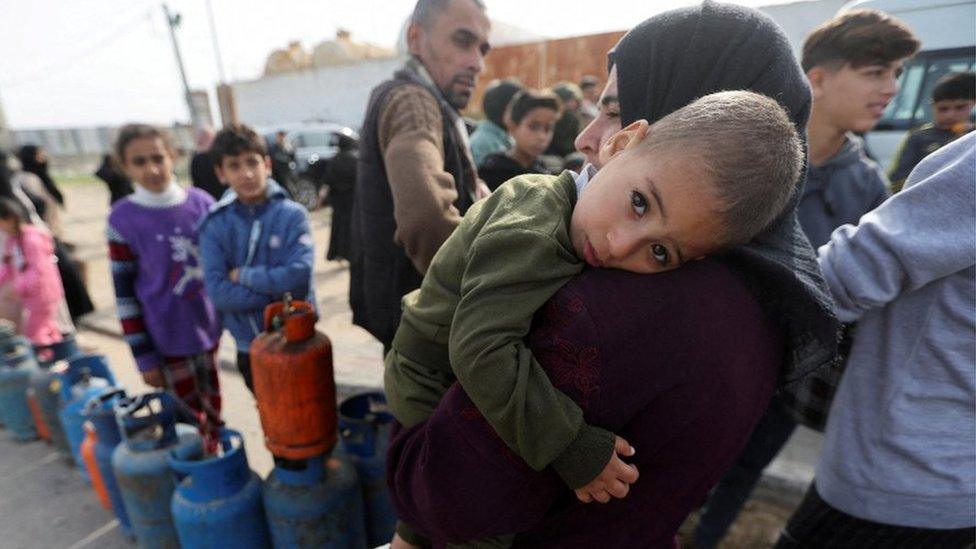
225	94
173	20
216	43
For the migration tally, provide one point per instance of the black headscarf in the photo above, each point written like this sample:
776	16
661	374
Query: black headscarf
674	58
28	158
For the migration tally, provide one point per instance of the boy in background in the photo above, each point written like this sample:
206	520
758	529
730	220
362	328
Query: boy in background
255	242
530	119
952	104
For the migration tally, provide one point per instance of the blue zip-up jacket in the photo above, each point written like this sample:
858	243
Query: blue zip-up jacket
272	246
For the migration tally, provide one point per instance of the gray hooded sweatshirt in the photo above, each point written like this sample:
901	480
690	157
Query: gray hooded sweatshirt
900	444
840	191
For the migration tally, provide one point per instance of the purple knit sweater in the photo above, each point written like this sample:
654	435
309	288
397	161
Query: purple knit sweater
159	279
681	364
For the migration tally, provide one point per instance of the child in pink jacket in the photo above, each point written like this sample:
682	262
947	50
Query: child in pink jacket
29	263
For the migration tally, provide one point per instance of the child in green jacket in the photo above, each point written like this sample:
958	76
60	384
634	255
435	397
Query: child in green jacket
705	178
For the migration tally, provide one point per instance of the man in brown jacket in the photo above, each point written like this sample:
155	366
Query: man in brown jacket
416	177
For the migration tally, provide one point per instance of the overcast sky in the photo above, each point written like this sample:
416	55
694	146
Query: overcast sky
71	63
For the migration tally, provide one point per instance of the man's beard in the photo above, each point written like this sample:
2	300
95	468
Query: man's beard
458	100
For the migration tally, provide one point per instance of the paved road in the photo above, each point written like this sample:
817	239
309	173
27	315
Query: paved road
44	504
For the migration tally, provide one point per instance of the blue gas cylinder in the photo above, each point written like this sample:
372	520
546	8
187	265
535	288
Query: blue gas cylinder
16	368
65	349
45	386
46	390
364	428
85	378
141	464
218	498
315	502
100	413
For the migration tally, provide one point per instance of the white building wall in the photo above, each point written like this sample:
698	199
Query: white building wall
330	94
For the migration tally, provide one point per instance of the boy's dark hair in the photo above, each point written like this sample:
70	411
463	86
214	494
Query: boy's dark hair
588	81
498	95
234	140
858	37
525	101
130	132
955	85
749	148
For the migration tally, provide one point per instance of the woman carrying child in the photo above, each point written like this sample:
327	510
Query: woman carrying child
680	364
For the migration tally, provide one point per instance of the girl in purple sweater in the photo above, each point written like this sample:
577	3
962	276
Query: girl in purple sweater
167	319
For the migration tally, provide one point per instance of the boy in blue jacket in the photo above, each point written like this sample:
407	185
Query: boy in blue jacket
255	242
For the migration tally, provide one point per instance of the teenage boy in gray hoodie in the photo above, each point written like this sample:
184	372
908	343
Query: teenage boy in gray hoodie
852	62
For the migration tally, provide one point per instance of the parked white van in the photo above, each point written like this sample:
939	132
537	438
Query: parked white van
947	30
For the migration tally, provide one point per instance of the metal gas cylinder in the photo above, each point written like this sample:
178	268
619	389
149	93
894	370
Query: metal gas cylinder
364	429
141	464
291	364
91	466
218	498
45	388
84	378
315	502
16	366
101	417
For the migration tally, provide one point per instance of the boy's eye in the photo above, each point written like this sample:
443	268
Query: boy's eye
638	202
157	159
660	253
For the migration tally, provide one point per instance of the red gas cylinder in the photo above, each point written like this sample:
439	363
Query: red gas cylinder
94	473
291	365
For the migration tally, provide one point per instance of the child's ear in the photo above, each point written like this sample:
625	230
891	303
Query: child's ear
267	162
510	126
625	139
220	174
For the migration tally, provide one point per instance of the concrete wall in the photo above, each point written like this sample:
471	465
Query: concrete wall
331	94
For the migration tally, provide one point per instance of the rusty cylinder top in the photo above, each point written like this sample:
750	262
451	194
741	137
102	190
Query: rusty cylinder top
295	319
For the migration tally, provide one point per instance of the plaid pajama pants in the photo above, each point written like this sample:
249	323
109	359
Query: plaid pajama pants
193	379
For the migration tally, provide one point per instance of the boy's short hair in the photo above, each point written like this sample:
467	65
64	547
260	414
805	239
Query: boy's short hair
588	81
234	140
858	37
955	85
130	132
526	100
498	95
749	148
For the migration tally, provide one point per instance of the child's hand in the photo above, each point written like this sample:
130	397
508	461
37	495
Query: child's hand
614	480
154	378
234	275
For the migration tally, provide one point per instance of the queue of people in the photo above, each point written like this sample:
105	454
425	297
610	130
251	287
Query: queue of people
594	352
